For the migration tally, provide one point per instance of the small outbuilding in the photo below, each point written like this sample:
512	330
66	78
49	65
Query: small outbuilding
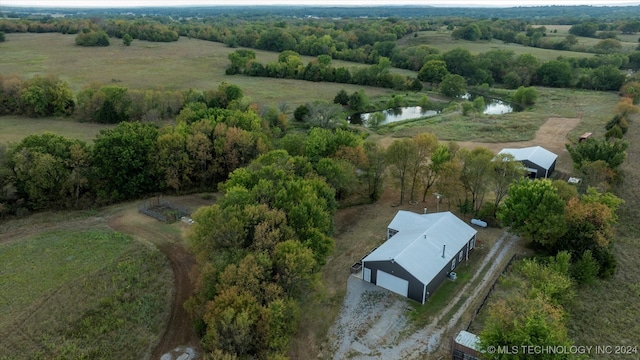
540	162
421	252
465	346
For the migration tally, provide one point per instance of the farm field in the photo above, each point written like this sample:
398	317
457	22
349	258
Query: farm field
441	40
81	293
15	128
185	64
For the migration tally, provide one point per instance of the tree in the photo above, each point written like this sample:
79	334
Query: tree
324	114
522	320
453	85
375	169
607	77
123	158
506	170
2	37
607	46
92	38
555	73
590	150
433	71
301	112
358	100
341	98
49	169
525	96
400	156
127	39
425	143
535	211
431	173
586	269
476	174
46	96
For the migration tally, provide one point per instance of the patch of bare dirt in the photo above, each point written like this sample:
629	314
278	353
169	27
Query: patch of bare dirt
552	135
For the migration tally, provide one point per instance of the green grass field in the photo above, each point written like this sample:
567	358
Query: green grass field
15	128
92	294
442	41
596	107
187	63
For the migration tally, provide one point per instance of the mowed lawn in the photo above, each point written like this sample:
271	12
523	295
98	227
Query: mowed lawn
185	64
93	294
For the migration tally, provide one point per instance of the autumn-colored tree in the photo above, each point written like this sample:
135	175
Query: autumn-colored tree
476	174
400	156
506	170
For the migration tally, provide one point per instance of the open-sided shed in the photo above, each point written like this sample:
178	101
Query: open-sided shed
420	252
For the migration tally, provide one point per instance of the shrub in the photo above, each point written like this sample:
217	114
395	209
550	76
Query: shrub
586	269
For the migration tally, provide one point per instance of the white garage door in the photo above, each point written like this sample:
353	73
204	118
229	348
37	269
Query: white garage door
393	283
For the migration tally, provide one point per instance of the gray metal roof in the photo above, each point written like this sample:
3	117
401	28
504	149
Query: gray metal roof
417	246
536	154
468	340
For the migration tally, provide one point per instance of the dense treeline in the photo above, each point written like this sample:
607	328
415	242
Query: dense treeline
290	66
43	96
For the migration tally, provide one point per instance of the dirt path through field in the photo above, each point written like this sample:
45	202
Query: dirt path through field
552	135
372	320
179	340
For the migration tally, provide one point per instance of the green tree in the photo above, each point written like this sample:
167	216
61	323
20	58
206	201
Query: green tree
127	39
586	269
425	144
590	150
433	71
525	96
46	96
607	77
358	100
123	158
301	112
48	170
555	73
453	85
341	98
534	210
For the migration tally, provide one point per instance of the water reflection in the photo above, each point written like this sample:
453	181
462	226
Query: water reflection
374	119
391	115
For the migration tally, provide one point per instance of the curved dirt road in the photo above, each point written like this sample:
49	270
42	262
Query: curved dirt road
179	337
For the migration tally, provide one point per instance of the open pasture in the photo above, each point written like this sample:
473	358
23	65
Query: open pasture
14	128
187	63
81	294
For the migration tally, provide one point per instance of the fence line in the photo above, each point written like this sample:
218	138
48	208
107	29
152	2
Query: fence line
506	267
149	207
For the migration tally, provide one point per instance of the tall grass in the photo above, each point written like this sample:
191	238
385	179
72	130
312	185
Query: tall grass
82	294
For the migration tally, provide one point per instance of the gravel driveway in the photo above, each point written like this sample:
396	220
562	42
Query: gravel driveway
373	324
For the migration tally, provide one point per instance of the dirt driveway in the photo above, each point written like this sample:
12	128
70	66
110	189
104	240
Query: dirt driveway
180	340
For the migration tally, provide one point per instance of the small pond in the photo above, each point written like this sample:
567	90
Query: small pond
392	115
492	107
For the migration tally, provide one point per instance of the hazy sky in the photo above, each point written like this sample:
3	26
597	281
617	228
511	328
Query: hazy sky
125	3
